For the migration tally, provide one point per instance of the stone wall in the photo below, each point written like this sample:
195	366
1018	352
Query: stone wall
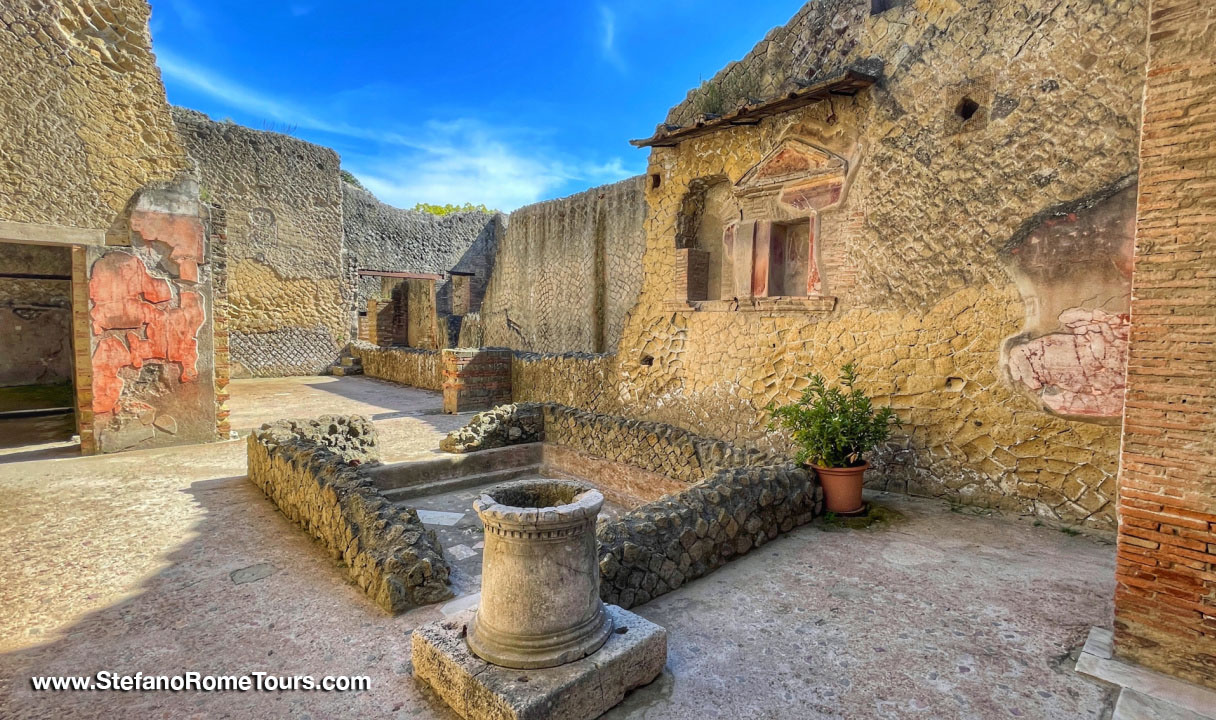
384	238
576	379
568	271
659	547
151	324
313	470
289	296
726	501
970	228
407	366
74	170
35	315
1165	600
101	129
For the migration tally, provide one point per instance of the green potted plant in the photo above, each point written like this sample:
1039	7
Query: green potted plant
832	427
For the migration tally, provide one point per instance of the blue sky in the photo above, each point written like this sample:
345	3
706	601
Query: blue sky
503	103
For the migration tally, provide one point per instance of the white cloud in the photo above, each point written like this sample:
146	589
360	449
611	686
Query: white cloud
190	16
608	38
440	161
467	161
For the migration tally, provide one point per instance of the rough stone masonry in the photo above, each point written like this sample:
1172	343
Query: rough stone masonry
313	470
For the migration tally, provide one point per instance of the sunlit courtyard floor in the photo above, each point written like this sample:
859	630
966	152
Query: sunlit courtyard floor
133	563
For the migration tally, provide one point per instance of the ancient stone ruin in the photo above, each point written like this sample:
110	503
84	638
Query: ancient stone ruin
1001	212
540	610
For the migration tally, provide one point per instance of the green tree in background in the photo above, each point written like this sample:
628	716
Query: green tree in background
448	209
351	179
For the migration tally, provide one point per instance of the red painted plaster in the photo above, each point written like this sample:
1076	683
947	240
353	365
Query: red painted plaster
813	196
183	234
126	297
814	283
121	290
1080	370
109	357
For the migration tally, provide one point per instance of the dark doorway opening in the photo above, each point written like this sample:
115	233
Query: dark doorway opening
37	399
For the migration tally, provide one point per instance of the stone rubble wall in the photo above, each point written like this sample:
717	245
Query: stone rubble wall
577	379
289	298
660	546
567	272
313	470
381	237
657	447
500	426
734	499
102	127
408	366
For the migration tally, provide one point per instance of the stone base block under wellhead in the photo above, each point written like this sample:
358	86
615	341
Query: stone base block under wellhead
633	656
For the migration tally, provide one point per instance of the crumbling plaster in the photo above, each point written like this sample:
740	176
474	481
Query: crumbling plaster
290	301
914	253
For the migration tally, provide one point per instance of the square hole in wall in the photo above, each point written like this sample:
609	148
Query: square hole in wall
880	6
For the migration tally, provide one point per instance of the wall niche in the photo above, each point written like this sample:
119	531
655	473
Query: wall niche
757	239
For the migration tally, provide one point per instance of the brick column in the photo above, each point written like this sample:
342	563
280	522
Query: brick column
82	351
218	228
1165	600
475	379
691	275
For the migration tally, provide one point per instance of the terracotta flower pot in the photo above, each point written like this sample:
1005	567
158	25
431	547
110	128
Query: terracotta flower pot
842	487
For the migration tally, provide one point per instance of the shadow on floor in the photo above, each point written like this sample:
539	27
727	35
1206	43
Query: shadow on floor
200	612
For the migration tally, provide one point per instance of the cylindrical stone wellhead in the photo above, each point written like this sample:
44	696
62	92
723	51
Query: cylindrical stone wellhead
540	582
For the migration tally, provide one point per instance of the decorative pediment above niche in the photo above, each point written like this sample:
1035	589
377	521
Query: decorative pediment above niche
792	160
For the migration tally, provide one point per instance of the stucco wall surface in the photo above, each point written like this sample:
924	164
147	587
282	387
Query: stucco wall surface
933	253
151	321
567	272
289	299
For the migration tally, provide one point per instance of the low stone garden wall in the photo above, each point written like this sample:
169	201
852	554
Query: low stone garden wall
716	502
575	379
660	546
497	427
315	471
408	366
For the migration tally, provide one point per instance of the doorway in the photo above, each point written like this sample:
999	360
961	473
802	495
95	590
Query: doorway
37	370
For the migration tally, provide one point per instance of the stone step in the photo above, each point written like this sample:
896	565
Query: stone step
401	495
348	361
341	371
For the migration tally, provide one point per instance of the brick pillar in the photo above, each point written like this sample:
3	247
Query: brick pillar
218	228
380	322
475	379
691	275
1165	599
82	351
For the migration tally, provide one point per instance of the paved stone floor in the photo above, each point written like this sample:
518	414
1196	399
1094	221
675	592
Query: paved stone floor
130	563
